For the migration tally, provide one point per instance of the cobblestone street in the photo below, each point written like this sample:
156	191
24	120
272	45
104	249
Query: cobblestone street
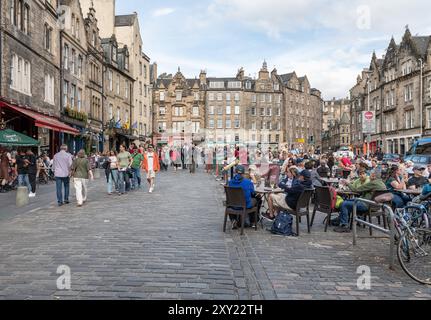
170	245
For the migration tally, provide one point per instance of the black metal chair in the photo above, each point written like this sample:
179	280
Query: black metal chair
376	211
323	204
303	208
236	205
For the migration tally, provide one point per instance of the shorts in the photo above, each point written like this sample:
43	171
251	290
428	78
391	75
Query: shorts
279	201
151	174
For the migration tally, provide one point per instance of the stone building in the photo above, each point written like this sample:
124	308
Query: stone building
118	88
303	113
398	89
243	110
30	70
94	94
358	95
127	31
179	109
335	114
74	105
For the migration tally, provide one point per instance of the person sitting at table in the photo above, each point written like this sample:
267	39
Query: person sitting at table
374	183
361	180
289	199
315	178
346	166
323	170
418	180
251	199
395	183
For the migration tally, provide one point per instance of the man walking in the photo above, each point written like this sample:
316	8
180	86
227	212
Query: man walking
137	159
22	163
61	165
32	172
151	166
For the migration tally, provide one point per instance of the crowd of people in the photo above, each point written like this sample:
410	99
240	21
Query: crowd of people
362	175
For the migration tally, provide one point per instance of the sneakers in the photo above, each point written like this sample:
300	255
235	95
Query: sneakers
234	225
342	229
151	190
31	195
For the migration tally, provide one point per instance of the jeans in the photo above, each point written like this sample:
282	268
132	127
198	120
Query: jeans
32	179
347	208
24	181
400	200
113	181
59	183
136	177
81	190
123	181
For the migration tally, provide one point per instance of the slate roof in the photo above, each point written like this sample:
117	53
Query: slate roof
421	44
125	20
286	77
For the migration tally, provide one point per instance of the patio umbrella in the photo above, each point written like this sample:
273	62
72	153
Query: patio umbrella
12	138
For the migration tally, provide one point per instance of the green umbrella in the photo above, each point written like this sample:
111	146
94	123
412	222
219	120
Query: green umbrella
12	138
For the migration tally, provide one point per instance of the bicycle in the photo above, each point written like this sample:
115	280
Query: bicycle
414	246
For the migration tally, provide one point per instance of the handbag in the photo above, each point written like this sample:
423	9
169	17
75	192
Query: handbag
383	198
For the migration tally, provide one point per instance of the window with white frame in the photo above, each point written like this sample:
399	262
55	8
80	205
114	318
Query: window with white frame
111	80
162	110
211	123
268	98
126	89
269	111
49	89
162	126
409	117
248	85
196	127
196	111
178	95
79	99
219	96
80	62
111	111
228	110
408	93
66	57
20	75
234	84
162	96
276	86
262	98
211	96
196	95
253	98
237	123
228	96
219	124
178	126
48	37
237	110
65	93
178	111
228	124
118	85
253	125
236	97
428	114
72	96
216	84
73	62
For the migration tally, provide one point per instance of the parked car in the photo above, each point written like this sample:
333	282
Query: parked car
345	151
391	158
419	160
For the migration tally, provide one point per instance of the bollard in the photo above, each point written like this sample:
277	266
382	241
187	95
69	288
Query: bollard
22	197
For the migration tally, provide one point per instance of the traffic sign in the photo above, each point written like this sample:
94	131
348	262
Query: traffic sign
368	122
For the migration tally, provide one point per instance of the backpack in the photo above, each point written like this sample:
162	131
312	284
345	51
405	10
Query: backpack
283	225
333	193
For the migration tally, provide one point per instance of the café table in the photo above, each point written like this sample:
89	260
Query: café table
331	181
266	192
416	192
347	193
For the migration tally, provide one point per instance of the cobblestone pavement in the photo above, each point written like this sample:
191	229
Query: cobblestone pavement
169	245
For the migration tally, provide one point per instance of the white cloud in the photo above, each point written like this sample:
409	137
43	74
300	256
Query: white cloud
163	12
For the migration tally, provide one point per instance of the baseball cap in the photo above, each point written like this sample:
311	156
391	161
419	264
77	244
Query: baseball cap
240	169
418	168
306	174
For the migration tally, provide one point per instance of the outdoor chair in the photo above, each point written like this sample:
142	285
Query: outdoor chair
323	204
375	211
303	208
236	205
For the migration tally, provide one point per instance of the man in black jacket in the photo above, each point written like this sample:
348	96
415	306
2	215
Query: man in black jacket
288	200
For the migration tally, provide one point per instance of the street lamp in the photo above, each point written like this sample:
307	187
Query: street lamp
421	65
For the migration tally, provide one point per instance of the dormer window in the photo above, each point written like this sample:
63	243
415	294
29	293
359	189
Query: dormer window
114	53
94	39
126	62
248	85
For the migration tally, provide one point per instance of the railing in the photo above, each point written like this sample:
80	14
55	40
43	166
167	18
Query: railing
390	232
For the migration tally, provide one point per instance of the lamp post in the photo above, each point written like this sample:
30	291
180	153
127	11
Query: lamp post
421	65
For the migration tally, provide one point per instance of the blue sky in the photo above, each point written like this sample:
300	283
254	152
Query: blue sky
330	41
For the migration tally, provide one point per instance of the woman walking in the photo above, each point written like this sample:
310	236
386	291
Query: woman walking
124	162
112	172
81	173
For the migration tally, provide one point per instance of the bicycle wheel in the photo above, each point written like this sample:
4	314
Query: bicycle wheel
414	255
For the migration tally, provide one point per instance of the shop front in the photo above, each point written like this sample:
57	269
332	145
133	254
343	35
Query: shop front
45	128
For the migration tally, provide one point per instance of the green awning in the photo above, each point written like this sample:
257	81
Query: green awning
12	138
